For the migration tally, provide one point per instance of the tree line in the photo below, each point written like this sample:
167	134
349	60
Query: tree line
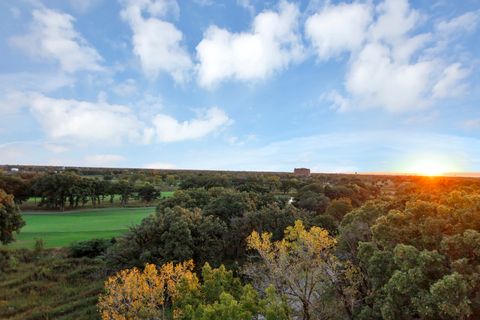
339	255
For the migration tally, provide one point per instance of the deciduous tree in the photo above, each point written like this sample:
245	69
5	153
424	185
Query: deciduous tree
10	218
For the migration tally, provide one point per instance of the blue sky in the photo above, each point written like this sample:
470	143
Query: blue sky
336	86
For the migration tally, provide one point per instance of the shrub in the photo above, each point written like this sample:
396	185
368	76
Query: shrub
90	248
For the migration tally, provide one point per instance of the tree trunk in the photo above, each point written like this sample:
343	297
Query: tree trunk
306	311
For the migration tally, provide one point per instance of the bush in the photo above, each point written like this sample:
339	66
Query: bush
90	248
5	258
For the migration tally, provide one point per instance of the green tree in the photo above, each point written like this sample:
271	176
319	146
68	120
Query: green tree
148	193
10	218
338	208
221	296
172	234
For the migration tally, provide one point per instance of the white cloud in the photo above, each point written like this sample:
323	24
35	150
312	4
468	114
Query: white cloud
378	81
339	28
52	36
271	45
103	160
395	19
465	23
450	84
169	129
12	102
83	122
391	64
157	43
125	88
340	103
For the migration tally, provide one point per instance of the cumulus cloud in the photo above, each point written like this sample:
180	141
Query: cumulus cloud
336	29
84	121
391	64
271	45
156	42
100	122
169	129
379	81
52	36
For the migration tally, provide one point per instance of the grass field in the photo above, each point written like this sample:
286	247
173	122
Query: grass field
32	202
60	229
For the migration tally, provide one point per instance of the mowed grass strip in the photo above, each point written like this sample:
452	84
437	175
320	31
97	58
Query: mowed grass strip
59	229
32	202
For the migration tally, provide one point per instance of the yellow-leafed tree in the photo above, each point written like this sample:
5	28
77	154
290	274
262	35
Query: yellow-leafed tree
302	267
137	294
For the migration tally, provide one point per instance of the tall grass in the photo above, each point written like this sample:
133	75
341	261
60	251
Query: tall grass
49	285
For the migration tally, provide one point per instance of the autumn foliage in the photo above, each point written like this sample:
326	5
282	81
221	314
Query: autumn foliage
137	294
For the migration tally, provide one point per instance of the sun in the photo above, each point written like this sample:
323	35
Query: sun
431	167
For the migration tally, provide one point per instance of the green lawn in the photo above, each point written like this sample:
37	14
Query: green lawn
32	202
166	194
60	229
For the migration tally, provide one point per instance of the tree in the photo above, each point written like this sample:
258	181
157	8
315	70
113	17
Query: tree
10	218
173	234
421	261
313	201
338	208
221	296
125	189
229	204
148	193
303	268
15	186
147	294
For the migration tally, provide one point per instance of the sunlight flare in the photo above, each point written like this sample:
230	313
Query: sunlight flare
431	167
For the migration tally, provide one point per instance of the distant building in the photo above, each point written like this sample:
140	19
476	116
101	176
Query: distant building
14	169
301	172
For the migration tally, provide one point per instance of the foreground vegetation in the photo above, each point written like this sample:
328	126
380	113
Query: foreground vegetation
276	246
49	285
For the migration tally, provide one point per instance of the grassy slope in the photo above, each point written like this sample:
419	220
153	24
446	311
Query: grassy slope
51	288
60	229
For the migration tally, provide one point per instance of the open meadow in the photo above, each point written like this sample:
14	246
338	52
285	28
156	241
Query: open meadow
59	229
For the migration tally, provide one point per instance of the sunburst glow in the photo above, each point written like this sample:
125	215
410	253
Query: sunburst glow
431	167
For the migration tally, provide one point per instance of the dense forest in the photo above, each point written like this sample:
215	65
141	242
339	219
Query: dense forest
248	245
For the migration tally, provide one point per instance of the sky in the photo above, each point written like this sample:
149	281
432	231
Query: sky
335	86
